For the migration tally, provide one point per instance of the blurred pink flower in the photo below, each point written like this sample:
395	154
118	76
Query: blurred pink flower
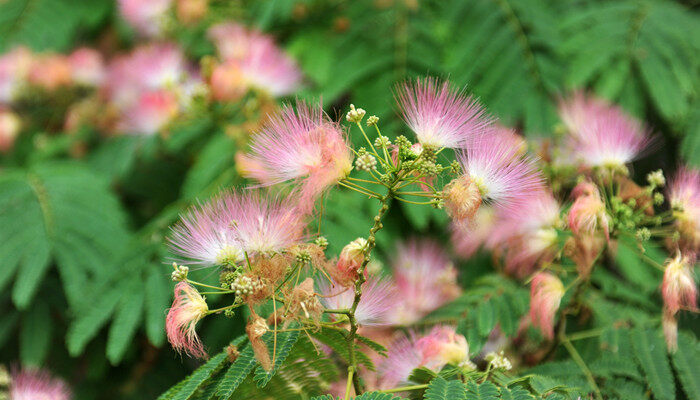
545	296
188	308
426	279
50	71
36	384
148	18
221	230
14	68
439	115
87	66
684	196
302	145
588	211
378	297
678	288
10	126
602	134
469	235
152	112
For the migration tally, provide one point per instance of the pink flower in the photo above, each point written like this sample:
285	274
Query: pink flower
10	126
150	114
495	173
469	235
684	195
345	272
252	60
528	235
545	296
426	279
669	325
220	231
440	347
440	116
678	287
148	18
50	71
602	134
304	146
188	308
87	66
36	384
588	211
378	296
14	67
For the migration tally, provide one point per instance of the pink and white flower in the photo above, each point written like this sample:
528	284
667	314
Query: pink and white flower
150	114
302	145
494	173
439	115
440	347
87	66
378	297
36	384
426	279
601	134
188	308
588	211
251	60
148	18
678	288
14	68
469	235
224	229
545	296
684	195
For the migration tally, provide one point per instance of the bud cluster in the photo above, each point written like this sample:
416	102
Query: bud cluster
244	285
355	114
180	273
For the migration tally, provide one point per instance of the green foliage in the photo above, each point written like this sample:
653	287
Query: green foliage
685	362
650	353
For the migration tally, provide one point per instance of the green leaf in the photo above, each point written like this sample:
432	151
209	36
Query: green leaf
35	336
442	389
200	376
285	342
484	391
91	319
516	393
650	353
236	373
126	321
212	161
685	361
377	396
157	300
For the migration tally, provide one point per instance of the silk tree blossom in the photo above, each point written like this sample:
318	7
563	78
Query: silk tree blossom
304	146
150	114
601	134
439	115
148	18
10	126
495	173
426	279
87	66
440	347
345	271
14	68
684	195
188	308
251	59
678	288
546	293
378	297
528	235
36	384
588	211
469	235
220	231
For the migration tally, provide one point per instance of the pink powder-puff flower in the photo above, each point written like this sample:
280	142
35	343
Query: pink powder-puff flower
439	115
220	231
148	18
14	67
10	126
669	325
252	60
150	114
684	195
545	296
588	211
50	71
602	134
494	173
35	384
440	347
678	288
528	235
188	308
469	235
302	145
426	279
345	270
87	66
378	296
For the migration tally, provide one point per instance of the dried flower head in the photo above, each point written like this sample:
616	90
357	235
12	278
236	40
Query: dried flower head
188	308
344	272
303	302
302	145
439	115
545	296
255	329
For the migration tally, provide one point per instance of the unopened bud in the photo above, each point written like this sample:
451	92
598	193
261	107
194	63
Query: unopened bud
355	114
372	120
382	141
656	178
180	273
321	241
366	162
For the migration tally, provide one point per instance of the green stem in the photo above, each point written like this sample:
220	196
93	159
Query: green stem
404	389
582	364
